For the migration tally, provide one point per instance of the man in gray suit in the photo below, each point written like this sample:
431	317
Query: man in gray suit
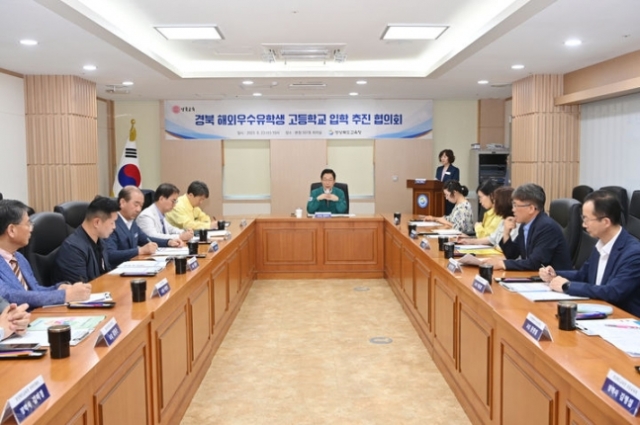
152	220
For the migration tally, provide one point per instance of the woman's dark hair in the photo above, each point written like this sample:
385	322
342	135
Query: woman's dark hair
502	201
449	154
455	186
487	187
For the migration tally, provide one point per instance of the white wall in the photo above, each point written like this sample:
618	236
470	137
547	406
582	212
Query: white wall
610	143
147	116
13	143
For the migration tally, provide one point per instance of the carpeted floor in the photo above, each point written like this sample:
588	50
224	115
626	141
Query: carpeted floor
299	352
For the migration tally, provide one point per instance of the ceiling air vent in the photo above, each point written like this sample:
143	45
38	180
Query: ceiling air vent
307	86
117	89
334	52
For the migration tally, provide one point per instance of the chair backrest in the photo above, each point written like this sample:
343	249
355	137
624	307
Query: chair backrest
342	186
573	230
580	192
585	247
148	197
634	204
621	193
560	210
49	231
73	213
633	226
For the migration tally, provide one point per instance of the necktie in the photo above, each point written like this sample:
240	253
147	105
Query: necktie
164	229
16	270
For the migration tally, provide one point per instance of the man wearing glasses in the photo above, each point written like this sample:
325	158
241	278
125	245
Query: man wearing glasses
540	241
152	220
612	272
327	198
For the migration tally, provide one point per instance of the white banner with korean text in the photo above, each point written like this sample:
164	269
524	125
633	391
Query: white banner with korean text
295	119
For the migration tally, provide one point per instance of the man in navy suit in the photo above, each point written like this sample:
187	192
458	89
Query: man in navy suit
540	241
612	272
17	283
128	240
82	256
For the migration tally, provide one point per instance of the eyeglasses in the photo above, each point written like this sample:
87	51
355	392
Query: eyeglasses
585	218
514	205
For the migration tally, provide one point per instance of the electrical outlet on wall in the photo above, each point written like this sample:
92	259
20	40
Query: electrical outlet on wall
394	177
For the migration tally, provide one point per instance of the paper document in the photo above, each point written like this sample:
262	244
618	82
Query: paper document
478	251
623	334
169	252
421	223
550	296
142	267
81	327
469	247
525	287
447	232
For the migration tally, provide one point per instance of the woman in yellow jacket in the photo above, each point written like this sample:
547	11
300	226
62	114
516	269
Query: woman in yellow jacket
490	220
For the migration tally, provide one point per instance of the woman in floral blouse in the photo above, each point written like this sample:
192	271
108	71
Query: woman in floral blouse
461	218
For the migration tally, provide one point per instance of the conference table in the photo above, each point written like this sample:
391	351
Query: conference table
499	373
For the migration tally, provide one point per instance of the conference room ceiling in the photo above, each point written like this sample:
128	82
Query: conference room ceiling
483	40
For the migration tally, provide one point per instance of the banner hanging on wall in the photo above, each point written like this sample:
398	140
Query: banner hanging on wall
298	119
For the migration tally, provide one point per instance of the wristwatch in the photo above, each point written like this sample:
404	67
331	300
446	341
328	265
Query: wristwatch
565	287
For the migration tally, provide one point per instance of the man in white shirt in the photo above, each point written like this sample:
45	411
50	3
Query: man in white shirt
152	220
612	272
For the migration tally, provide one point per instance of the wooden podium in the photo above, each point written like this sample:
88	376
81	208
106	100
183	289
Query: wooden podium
428	198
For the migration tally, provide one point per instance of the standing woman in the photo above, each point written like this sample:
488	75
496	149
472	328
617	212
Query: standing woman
490	220
447	172
461	218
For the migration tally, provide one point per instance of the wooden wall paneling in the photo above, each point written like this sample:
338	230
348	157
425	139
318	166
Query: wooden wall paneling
295	164
407	276
183	161
234	278
352	243
200	323
423	294
444	321
610	72
219	278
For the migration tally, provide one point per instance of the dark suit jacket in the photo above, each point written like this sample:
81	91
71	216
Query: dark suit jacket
546	246
620	284
453	173
123	243
12	290
77	261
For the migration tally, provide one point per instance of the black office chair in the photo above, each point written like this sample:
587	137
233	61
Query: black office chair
342	186
585	247
634	204
560	210
633	226
580	192
49	231
621	193
148	197
73	213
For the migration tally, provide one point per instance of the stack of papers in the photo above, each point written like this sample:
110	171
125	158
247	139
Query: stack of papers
98	297
623	334
81	327
171	252
421	223
549	295
140	267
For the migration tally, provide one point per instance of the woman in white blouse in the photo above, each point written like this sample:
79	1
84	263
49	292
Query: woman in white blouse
461	218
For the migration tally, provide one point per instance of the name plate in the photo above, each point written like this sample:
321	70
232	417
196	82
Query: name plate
214	247
454	266
192	263
481	284
109	333
622	392
424	244
243	222
161	288
413	234
536	328
322	214
26	401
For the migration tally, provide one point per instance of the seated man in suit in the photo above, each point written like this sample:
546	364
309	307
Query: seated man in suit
17	283
327	198
612	272
128	240
82	256
13	319
152	220
540	240
186	214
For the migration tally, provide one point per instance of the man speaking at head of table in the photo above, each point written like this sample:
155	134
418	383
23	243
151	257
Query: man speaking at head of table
327	198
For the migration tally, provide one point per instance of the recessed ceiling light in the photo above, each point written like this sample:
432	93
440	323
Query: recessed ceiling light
361	82
28	42
483	82
127	83
89	67
412	32
518	66
191	33
573	42
353	93
247	82
257	94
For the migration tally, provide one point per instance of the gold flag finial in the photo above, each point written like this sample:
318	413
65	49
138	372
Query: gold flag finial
132	132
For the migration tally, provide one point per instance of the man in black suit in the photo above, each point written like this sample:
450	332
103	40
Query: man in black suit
540	241
82	256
